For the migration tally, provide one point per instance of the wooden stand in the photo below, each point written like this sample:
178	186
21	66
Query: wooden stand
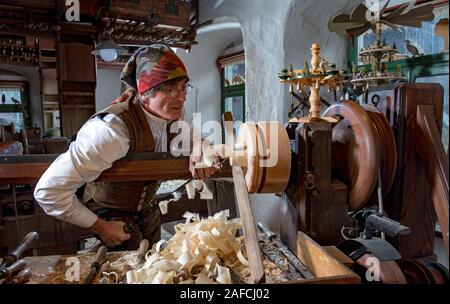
410	200
314	78
314	202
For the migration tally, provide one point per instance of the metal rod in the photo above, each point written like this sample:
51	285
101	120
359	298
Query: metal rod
19	232
380	198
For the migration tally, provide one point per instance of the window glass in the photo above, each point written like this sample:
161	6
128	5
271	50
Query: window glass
10	96
235	105
234	74
16	118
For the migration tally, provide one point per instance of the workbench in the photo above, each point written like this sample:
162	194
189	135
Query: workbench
52	269
328	265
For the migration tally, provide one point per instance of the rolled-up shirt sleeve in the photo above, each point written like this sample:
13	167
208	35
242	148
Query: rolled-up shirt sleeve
99	143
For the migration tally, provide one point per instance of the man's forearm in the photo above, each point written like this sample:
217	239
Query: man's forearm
98	227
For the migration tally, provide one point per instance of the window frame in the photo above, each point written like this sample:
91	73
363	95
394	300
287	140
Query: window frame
24	107
232	90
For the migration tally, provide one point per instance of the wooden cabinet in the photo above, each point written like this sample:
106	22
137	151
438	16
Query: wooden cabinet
409	201
76	68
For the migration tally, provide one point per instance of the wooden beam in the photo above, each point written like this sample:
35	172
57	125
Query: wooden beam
432	152
27	169
42	6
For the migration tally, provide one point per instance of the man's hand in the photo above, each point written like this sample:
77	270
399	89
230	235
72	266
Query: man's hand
196	157
111	232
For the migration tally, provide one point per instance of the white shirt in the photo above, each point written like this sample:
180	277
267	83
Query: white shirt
100	142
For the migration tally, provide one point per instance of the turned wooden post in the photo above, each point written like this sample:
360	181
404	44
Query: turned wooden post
314	98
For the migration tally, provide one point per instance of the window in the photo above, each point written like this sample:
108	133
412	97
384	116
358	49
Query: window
426	38
14	104
430	67
233	86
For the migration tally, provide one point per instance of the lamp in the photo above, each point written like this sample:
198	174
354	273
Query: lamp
108	50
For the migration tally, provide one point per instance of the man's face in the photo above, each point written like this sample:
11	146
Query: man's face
167	103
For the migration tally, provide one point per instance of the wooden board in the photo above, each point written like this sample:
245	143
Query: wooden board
248	225
322	264
339	255
432	151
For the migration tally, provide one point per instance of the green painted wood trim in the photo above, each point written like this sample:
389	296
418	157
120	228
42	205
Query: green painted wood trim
9	108
421	66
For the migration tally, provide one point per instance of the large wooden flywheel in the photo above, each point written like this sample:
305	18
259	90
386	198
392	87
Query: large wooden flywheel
363	143
388	152
355	151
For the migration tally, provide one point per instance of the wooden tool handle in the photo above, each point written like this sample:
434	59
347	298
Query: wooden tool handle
143	247
105	267
100	257
27	241
22	277
9	271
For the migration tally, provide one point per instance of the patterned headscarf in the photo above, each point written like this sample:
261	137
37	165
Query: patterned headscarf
150	66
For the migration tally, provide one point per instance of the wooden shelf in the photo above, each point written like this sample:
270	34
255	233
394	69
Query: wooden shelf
78	94
78	106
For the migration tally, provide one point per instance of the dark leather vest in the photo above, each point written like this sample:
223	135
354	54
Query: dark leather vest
129	196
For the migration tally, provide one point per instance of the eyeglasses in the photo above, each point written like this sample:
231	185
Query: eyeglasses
171	90
175	91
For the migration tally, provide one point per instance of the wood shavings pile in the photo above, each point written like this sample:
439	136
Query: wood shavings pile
125	263
271	270
202	251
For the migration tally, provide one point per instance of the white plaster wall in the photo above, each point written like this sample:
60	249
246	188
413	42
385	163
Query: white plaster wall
307	23
108	87
262	24
203	72
31	74
275	34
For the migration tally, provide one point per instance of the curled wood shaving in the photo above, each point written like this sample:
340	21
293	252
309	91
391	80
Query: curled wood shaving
241	257
108	277
163	205
201	252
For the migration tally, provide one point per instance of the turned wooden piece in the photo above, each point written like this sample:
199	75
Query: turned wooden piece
263	151
315	59
314	100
